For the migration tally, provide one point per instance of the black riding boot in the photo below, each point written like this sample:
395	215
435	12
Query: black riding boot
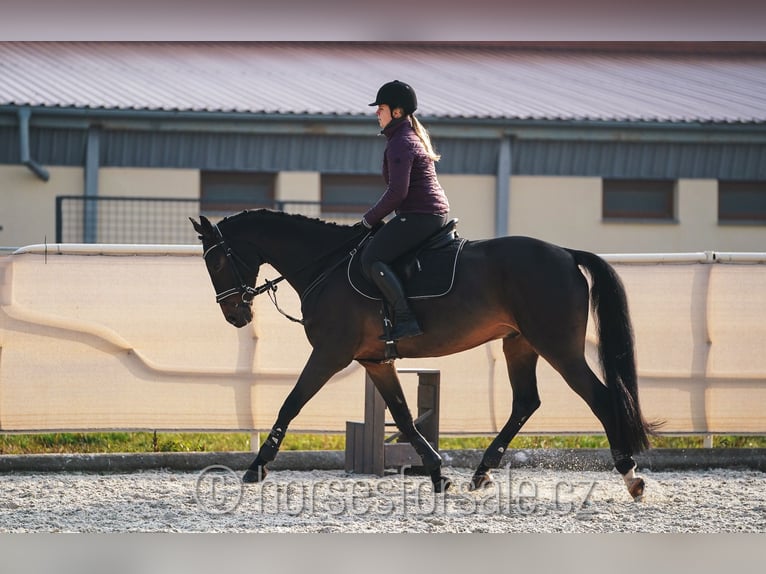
405	323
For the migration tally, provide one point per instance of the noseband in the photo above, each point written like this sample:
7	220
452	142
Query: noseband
245	291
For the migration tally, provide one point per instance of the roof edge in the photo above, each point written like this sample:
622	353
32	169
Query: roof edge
706	47
723	47
181	114
361	126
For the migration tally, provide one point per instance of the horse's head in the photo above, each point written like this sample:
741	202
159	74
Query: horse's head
233	276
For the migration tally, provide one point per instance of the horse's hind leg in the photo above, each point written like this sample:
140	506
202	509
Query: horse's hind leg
521	361
581	378
386	380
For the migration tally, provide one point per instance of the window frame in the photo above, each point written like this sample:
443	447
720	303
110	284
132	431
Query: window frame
261	183
371	187
739	217
667	188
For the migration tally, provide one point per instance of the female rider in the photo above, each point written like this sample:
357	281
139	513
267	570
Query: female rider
413	193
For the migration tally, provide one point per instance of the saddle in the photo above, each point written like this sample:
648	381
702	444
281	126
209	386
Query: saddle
427	271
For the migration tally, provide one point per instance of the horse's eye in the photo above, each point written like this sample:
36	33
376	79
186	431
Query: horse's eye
216	265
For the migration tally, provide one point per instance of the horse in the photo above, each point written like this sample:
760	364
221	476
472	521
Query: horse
530	293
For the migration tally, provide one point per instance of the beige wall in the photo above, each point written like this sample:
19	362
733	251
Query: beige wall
567	211
563	210
137	182
28	204
144	182
298	186
472	200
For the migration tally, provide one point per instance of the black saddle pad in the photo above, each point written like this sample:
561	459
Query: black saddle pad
426	274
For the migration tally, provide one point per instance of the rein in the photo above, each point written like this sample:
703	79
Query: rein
248	293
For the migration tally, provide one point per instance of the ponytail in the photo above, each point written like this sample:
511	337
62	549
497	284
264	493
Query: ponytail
422	133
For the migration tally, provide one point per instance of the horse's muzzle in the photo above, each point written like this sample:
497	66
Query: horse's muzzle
238	315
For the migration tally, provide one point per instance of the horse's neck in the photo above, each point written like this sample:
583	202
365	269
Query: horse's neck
300	249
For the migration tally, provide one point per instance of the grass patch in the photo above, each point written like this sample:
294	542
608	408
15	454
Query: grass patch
599	441
127	442
123	442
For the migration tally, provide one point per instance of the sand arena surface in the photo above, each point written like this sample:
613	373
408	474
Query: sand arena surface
521	500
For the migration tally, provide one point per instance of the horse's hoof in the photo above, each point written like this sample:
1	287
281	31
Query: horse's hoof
251	476
478	481
636	489
442	485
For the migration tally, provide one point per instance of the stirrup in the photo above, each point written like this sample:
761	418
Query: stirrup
407	329
412	330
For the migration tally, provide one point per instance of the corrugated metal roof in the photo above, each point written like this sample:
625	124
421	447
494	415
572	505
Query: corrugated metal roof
480	81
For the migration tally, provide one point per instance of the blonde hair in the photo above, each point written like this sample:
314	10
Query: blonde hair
422	133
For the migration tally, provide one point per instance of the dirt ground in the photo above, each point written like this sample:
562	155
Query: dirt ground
528	500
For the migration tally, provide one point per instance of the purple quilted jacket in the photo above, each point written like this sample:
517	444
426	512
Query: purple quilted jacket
410	176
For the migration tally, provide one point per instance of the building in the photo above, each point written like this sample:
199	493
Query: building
611	147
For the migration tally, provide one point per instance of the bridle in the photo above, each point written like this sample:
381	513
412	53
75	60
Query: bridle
245	291
248	293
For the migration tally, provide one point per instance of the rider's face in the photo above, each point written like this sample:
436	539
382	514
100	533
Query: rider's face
384	115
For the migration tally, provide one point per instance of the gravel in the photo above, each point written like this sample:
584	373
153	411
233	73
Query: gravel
530	500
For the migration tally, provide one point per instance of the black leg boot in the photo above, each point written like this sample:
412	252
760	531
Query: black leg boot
405	322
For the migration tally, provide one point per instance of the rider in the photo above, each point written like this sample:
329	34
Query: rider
413	193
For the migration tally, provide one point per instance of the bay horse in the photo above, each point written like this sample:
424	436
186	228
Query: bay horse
527	292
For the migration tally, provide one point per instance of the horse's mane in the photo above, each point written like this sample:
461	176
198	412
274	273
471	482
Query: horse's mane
250	214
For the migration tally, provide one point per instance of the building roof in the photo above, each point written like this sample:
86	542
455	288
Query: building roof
723	83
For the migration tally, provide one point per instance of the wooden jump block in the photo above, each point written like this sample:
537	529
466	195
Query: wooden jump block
368	451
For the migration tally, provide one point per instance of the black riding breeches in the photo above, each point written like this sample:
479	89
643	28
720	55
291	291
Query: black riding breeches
400	235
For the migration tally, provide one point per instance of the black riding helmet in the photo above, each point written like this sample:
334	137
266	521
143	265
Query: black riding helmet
397	94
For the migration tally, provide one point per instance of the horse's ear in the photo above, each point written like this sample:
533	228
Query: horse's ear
197	226
203	227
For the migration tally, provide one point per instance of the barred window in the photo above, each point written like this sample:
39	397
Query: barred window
350	193
742	202
223	193
638	199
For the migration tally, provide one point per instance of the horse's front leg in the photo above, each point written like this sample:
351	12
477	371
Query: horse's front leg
387	382
318	370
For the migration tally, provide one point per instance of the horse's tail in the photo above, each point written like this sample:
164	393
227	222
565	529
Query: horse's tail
616	348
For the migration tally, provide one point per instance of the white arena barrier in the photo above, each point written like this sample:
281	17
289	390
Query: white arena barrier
108	337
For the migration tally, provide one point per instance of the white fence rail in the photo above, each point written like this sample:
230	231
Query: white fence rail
102	337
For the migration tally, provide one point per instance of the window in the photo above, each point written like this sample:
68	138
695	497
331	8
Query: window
742	202
350	194
223	193
638	199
